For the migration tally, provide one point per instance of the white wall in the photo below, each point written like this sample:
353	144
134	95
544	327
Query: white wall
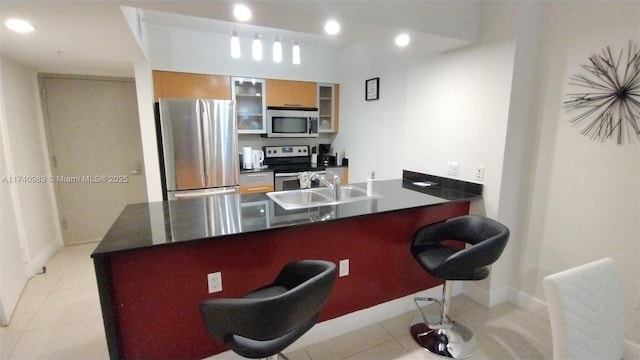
144	91
371	132
13	273
204	52
174	49
30	209
584	194
498	103
452	106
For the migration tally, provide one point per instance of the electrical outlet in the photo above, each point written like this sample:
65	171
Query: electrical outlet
479	173
343	268
454	168
214	280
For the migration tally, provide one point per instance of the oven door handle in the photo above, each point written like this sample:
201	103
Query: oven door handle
298	173
288	174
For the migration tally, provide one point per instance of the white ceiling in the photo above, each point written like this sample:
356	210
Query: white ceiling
92	37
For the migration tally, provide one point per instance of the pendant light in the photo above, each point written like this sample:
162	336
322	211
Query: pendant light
296	53
256	48
235	45
277	50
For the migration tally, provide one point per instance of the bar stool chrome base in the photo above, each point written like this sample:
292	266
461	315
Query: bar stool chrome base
452	341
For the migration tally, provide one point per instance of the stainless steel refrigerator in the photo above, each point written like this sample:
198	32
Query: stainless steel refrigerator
199	144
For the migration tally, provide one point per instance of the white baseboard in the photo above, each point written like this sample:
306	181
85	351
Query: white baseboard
359	319
631	350
529	303
37	263
476	293
341	325
84	242
482	296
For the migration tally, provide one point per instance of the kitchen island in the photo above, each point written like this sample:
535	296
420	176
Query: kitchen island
152	265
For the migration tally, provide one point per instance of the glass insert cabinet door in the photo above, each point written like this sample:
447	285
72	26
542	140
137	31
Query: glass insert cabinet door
250	105
326	108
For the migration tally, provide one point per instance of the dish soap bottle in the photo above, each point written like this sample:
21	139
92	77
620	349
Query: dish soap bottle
370	184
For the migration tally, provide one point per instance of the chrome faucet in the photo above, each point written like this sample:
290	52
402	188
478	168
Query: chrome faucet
334	187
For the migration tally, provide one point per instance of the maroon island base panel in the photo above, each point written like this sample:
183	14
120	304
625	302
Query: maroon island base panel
157	291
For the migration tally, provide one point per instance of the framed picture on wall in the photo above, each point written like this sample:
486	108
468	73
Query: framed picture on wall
372	89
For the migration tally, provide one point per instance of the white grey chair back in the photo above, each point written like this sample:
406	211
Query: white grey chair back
586	311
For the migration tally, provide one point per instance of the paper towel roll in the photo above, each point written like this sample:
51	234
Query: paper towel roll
247	158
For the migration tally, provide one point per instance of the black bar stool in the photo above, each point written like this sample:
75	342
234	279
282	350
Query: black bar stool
267	320
488	239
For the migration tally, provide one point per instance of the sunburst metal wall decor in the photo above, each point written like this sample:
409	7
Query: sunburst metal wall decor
609	107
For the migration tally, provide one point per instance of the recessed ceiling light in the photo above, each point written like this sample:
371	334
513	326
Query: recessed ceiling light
241	12
332	27
402	40
18	25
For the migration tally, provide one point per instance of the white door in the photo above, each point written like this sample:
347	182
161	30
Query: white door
94	136
13	272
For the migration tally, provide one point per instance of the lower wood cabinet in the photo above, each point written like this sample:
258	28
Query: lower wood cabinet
256	182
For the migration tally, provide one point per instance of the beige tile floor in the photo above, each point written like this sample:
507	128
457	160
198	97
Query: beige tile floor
503	332
58	317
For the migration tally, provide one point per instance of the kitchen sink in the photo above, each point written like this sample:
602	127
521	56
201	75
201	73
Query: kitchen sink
305	198
346	192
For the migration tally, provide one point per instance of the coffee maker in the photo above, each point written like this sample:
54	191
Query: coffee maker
325	156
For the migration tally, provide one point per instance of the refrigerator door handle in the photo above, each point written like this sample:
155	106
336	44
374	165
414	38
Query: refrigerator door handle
193	194
205	113
201	160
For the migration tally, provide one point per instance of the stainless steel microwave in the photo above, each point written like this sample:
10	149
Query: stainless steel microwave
292	122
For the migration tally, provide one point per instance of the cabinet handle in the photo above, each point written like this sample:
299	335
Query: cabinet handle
257	175
297	105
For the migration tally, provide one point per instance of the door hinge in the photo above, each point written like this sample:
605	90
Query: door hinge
44	93
64	224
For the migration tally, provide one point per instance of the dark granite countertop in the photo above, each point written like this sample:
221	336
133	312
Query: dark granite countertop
153	224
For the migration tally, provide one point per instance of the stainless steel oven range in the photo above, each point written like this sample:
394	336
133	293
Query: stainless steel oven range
288	162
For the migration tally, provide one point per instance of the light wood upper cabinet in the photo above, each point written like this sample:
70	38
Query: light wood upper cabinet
291	93
179	85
